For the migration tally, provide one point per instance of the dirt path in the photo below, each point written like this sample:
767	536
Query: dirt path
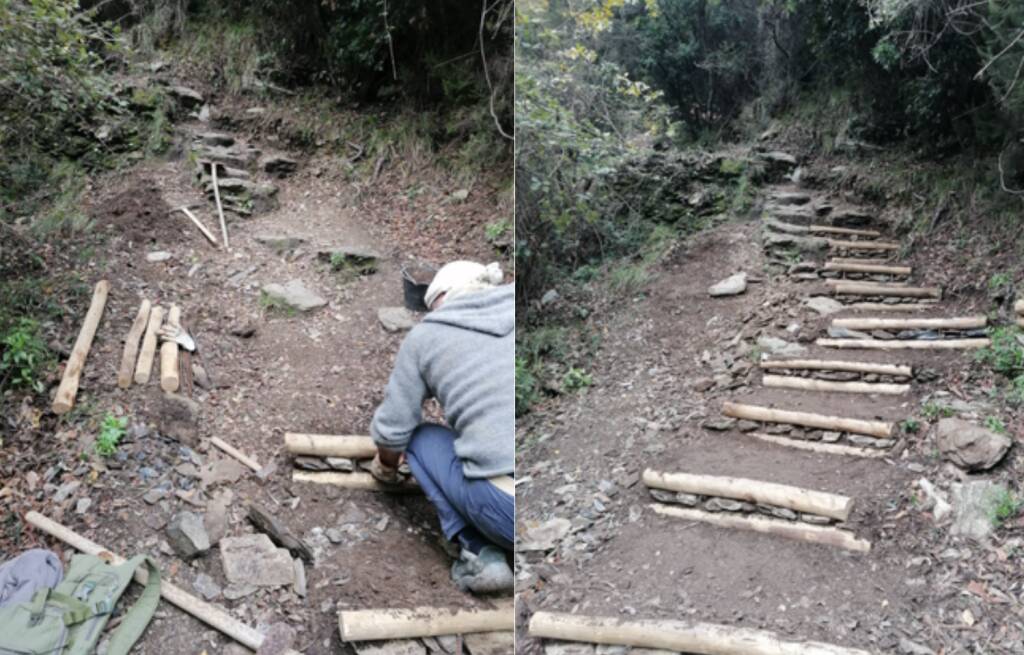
581	460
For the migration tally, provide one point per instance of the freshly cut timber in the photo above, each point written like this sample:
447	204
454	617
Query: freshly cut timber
358	480
368	625
816	534
170	377
885	307
330	445
1019	306
131	346
212	615
65	398
754	491
867	268
828	229
236	453
863	245
843	287
675	635
818	447
838	365
880	429
791	382
144	367
905	344
959	323
861	260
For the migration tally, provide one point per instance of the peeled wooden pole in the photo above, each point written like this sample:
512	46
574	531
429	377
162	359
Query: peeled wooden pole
838	365
958	323
844	287
144	367
828	229
368	625
220	209
1020	321
169	375
212	615
330	445
65	398
131	346
904	344
806	384
867	268
1019	306
816	534
675	635
879	429
883	307
860	261
754	491
236	453
819	447
863	245
357	480
199	224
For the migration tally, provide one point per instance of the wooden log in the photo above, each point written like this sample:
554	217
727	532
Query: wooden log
368	625
754	491
861	261
905	344
828	229
880	429
212	615
957	323
818	447
844	287
863	245
237	454
330	445
834	282
816	534
868	268
838	365
144	367
65	398
131	345
675	636
220	209
202	228
279	533
169	375
1020	321
357	480
1019	306
805	384
883	307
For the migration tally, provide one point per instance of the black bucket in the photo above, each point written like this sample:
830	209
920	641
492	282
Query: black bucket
416	279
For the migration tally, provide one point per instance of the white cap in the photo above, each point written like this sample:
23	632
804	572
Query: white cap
458	277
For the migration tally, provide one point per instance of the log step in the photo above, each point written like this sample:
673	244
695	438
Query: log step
905	344
879	429
957	323
838	365
884	307
828	229
330	445
379	624
755	491
818	447
863	245
804	384
675	635
902	271
358	480
898	290
816	534
861	261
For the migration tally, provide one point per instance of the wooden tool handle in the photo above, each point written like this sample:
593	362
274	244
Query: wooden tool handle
65	398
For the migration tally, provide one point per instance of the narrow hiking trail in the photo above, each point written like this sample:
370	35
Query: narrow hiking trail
339	227
679	376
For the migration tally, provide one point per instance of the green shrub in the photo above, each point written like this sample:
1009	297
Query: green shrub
1006	353
25	357
111	431
1004	505
526	387
995	424
576	378
910	426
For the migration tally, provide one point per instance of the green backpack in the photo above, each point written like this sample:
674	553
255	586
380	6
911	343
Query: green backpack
69	619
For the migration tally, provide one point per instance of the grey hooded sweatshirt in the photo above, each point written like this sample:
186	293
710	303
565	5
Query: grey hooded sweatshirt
463	354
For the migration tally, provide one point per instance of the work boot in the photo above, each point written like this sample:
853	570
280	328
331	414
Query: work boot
485	573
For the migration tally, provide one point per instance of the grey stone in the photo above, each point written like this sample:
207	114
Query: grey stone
783	513
396	319
83	505
973	502
730	286
777	346
219	471
362	260
178	418
278	640
341	464
970	446
299	571
253	559
295	294
724	505
719	425
186	97
279	165
814	519
236	591
830	437
187	535
390	647
568	648
206	586
158	256
65	491
490	643
823	305
663	495
550	296
216	518
846	333
280	242
215	139
778	157
543	536
909	647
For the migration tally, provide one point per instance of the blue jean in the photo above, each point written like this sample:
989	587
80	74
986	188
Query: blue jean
472	510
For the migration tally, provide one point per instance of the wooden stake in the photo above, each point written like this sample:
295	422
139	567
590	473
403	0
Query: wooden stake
220	209
368	625
131	346
169	377
754	491
357	480
838	365
144	367
330	445
828	229
904	344
959	323
879	429
805	384
863	245
818	447
212	615
65	398
237	454
199	224
867	268
844	287
675	636
816	534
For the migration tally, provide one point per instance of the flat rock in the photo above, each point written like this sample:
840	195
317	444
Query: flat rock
158	256
846	333
216	518
178	418
361	260
255	560
186	97
215	139
777	346
391	647
543	536
219	471
568	648
280	242
970	446
396	319
187	535
279	165
972	506
295	294
206	586
278	640
823	305
490	643
730	286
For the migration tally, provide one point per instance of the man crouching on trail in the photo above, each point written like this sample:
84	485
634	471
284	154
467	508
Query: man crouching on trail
462	353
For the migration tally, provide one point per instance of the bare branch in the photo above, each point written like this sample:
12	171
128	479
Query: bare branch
487	74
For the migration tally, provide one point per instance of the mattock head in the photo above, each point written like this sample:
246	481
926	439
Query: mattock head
178	335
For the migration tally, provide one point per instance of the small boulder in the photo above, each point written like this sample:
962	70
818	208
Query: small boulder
206	586
255	560
187	535
823	305
972	507
970	446
730	286
294	294
396	319
777	346
178	418
158	256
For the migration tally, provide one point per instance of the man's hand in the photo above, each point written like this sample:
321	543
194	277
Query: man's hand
384	467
